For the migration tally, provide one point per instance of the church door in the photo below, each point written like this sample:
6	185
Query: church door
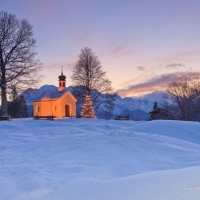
67	111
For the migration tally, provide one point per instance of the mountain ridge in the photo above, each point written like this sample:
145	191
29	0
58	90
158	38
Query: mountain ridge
137	108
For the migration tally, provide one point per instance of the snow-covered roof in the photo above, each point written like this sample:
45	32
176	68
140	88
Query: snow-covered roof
51	95
47	95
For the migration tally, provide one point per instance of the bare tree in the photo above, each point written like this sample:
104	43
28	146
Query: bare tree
18	65
88	74
184	97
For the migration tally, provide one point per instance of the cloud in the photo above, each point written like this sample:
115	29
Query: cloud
141	68
66	65
157	83
121	49
186	55
174	66
118	49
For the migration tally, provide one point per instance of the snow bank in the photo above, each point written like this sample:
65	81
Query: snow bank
98	159
183	130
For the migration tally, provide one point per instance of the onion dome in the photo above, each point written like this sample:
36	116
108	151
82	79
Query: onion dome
62	77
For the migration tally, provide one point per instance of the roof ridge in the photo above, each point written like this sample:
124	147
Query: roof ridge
47	94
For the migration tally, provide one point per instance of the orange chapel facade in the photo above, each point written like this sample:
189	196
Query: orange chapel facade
59	103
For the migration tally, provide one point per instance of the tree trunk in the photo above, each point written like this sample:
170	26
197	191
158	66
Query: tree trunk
3	96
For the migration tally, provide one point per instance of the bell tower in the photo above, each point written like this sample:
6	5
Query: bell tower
62	81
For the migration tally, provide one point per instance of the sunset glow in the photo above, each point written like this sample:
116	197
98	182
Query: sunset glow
143	45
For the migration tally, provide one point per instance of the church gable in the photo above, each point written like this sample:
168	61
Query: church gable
69	95
68	100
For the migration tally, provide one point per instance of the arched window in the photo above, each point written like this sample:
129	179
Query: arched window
63	84
38	108
60	83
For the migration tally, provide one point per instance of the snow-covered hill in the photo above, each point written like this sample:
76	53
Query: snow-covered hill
138	109
99	159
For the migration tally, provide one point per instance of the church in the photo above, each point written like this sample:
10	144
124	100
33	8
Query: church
58	104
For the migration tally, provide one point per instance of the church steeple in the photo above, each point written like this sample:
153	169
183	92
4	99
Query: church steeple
62	81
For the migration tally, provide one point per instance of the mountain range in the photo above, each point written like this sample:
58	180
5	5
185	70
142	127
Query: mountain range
136	108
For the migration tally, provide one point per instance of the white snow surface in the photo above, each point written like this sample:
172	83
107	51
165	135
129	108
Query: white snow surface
92	159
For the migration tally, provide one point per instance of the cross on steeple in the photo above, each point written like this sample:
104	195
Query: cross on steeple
62	70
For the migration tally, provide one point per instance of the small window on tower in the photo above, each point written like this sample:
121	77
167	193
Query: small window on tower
55	108
60	83
63	84
38	108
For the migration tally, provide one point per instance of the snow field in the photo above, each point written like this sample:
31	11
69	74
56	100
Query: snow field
99	159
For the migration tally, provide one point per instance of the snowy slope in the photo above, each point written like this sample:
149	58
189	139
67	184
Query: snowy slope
136	114
99	159
188	131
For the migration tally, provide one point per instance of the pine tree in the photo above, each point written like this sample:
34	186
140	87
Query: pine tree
87	110
23	107
18	108
13	94
155	106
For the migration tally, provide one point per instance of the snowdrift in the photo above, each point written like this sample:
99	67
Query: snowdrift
98	159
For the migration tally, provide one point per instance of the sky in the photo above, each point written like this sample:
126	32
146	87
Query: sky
142	44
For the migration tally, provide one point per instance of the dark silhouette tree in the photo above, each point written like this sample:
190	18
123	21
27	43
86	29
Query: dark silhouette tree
18	65
155	105
89	78
184	99
17	107
13	94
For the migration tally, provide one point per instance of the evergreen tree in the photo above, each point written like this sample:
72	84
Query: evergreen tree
23	112
87	110
13	94
18	108
155	106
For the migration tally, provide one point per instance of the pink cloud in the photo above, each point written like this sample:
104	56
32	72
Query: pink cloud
141	68
156	83
121	49
175	66
191	54
66	65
